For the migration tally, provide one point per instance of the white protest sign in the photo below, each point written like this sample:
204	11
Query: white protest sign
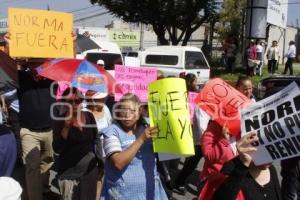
276	120
132	61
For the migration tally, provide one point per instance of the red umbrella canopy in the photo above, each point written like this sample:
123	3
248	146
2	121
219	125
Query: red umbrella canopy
80	73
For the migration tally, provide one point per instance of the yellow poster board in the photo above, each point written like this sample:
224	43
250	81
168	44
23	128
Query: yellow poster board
40	33
168	109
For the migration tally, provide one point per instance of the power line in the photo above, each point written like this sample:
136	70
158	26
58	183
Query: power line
91	16
88	12
78	10
91	20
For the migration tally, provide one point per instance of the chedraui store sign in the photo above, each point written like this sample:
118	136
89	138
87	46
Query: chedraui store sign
125	38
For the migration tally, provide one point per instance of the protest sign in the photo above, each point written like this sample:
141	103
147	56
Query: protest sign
222	103
132	61
192	96
276	120
40	33
134	80
168	110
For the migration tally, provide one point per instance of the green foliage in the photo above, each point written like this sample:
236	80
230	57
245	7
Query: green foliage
165	16
232	15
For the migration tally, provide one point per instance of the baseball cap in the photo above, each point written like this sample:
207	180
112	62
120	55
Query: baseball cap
100	62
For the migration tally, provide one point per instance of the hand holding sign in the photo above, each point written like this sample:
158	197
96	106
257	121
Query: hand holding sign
7	37
150	132
276	120
245	148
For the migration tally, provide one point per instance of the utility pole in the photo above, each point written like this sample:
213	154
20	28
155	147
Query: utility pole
283	49
142	36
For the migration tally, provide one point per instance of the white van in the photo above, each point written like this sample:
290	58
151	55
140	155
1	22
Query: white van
177	61
109	52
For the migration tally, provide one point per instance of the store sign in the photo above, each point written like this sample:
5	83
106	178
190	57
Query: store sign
125	38
277	12
3	25
95	34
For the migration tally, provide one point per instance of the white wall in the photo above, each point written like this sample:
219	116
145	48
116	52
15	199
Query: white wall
277	34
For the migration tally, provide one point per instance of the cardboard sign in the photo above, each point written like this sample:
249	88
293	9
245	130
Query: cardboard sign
40	33
276	120
168	110
222	102
134	80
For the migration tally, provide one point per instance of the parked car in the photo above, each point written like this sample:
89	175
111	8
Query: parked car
109	53
177	61
273	84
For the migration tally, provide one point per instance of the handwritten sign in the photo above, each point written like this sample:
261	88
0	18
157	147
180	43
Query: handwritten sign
169	111
40	33
134	80
223	102
276	120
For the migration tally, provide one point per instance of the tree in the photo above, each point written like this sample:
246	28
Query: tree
165	16
232	19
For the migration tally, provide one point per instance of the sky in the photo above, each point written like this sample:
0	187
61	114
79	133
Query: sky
79	9
83	8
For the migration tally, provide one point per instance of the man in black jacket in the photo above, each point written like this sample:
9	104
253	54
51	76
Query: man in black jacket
36	127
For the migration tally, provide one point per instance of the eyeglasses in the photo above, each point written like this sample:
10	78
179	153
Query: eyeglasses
125	110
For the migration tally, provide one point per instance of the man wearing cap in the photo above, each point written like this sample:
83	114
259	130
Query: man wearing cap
100	63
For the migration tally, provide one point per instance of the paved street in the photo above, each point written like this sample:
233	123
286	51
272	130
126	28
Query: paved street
190	186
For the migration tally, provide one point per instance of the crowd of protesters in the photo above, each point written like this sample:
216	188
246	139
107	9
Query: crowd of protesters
107	154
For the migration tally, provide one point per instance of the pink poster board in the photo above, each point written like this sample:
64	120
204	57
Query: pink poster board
134	80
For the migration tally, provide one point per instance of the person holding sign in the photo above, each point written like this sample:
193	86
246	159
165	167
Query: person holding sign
254	182
130	169
200	121
217	149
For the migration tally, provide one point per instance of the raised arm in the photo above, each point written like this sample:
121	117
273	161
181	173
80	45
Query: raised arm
120	159
231	187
